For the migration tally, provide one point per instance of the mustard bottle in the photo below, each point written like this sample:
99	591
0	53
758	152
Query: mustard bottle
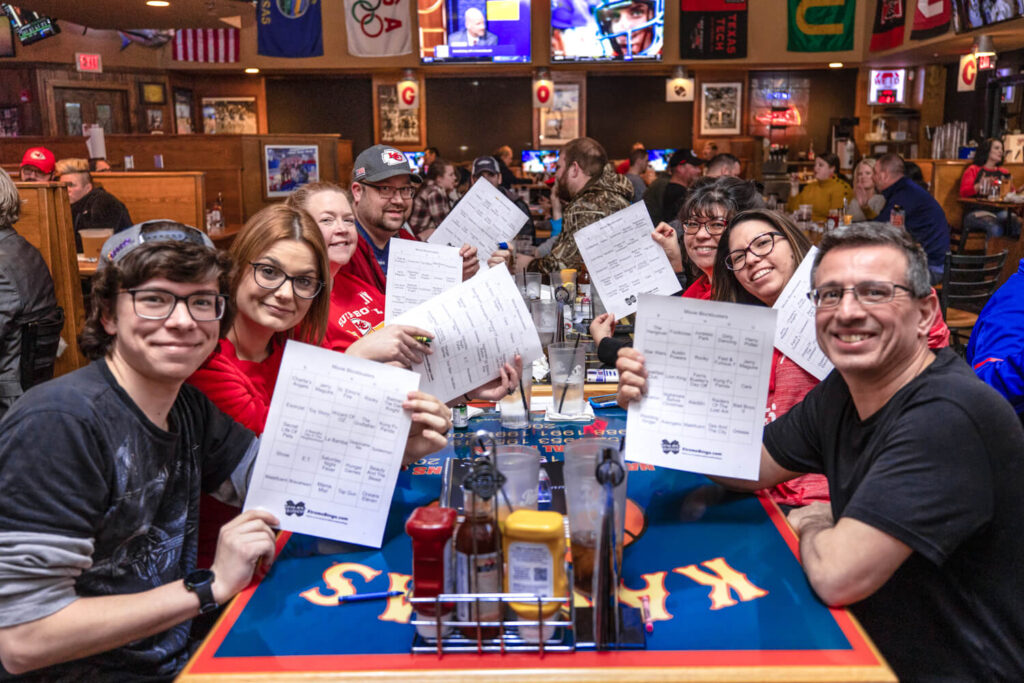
535	561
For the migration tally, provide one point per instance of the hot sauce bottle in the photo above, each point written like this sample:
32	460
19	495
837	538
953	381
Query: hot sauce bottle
431	529
478	565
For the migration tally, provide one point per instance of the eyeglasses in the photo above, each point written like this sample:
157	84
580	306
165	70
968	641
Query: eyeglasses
762	245
270	276
867	293
389	191
159	304
715	226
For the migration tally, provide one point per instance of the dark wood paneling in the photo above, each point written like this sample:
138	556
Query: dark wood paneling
622	110
322	105
12	82
480	114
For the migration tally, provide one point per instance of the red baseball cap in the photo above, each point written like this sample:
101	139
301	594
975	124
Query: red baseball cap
41	158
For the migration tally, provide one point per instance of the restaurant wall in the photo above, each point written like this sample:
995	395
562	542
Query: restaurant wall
470	117
622	110
970	105
322	105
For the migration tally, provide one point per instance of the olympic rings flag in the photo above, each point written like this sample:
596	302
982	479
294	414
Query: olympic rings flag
378	28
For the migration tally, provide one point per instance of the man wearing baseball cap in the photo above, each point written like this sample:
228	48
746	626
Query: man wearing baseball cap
685	167
382	192
489	169
37	165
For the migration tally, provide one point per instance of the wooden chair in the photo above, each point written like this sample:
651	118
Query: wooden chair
967	284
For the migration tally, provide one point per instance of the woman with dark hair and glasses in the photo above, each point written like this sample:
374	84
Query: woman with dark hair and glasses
977	182
280	290
704	216
826	192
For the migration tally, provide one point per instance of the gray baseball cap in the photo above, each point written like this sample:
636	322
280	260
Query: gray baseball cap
381	162
122	243
488	164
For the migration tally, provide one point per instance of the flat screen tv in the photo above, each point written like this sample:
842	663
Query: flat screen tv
539	160
887	86
495	31
657	159
415	161
30	27
607	30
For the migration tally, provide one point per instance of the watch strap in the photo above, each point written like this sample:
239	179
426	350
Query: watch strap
201	583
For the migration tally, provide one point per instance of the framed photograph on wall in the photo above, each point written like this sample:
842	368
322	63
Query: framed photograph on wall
154	120
153	93
289	167
229	115
405	129
184	106
721	107
566	118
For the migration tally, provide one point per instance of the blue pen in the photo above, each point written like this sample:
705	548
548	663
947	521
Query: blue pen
361	597
502	245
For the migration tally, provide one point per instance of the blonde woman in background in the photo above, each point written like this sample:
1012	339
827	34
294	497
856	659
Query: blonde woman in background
866	202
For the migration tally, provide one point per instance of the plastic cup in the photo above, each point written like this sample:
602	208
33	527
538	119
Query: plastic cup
585	498
567	361
533	285
93	240
545	319
515	408
521	467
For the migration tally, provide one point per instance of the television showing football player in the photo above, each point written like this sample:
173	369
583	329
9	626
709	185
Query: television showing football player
607	30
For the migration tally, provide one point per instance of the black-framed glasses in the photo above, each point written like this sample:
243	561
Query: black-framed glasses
762	245
269	276
867	293
159	304
714	226
389	191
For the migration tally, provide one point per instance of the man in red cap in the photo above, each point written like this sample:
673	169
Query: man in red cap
37	165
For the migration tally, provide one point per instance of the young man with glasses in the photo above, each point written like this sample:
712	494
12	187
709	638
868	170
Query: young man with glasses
383	189
101	471
922	536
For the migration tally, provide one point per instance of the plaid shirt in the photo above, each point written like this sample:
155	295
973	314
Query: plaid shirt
429	207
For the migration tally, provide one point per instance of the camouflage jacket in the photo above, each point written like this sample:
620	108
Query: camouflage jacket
602	196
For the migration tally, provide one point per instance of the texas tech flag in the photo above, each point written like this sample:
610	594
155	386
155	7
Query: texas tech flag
206	45
713	29
889	21
931	18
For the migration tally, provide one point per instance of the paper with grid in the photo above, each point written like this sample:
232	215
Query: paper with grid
708	365
417	272
333	443
483	218
478	326
795	334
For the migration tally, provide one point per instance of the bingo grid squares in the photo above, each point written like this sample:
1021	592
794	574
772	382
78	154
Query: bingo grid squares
324	449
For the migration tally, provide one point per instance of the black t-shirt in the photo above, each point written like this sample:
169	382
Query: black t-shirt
672	201
939	467
82	466
98	210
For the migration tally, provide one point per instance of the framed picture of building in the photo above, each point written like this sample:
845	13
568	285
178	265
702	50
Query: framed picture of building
229	115
289	167
721	108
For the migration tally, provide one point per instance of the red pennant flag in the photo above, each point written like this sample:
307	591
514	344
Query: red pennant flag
889	21
931	18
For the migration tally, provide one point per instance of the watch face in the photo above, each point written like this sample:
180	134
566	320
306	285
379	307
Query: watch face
198	578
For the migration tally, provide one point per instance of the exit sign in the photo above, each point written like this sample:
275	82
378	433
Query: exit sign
86	61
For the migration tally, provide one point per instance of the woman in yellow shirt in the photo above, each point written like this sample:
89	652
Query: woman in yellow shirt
826	192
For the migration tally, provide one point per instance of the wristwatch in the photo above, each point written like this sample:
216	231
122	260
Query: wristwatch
200	582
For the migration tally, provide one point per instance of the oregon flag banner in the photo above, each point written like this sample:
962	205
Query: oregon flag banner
821	25
289	28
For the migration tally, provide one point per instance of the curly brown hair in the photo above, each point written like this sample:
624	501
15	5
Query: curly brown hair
176	261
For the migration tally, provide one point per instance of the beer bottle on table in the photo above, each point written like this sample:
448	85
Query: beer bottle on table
478	560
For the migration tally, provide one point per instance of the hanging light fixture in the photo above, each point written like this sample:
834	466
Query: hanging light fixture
984	47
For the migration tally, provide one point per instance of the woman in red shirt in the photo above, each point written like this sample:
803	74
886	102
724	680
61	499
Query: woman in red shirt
977	180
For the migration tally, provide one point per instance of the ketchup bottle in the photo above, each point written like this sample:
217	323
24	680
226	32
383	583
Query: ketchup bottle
431	529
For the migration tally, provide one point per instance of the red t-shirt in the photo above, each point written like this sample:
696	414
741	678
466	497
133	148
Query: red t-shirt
242	390
699	289
364	266
356	308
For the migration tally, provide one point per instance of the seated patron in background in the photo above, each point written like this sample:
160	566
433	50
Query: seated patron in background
37	165
866	202
923	216
826	192
723	164
26	292
922	536
92	207
590	190
636	171
432	202
996	348
685	168
982	177
382	188
429	154
101	469
489	169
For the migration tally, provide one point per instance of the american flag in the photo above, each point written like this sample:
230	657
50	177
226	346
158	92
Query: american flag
206	45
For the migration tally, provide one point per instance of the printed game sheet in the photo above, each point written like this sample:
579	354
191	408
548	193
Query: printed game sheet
623	261
708	366
417	272
795	335
483	218
333	445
